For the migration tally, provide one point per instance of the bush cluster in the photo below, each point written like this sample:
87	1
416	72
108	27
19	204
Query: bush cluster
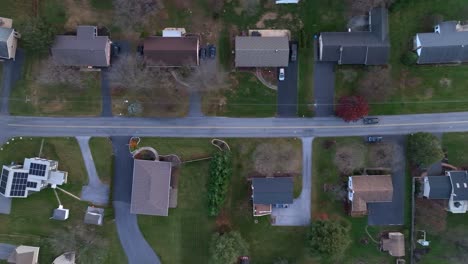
220	174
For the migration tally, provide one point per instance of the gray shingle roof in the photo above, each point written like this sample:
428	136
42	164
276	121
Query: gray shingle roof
459	184
448	46
59	214
4	35
277	190
262	51
359	47
84	49
94	216
440	187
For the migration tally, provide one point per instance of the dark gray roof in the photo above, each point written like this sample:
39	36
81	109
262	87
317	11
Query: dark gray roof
84	49
4	35
59	214
440	187
277	190
262	51
448	46
94	216
359	47
459	184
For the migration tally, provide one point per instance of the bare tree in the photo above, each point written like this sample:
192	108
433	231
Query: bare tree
205	78
135	14
53	74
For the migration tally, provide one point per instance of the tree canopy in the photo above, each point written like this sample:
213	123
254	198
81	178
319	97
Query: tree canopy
220	174
36	35
424	149
328	238
227	248
352	108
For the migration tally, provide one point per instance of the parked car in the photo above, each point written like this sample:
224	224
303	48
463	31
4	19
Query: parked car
281	75
370	120
115	49
244	260
212	51
374	139
202	53
294	52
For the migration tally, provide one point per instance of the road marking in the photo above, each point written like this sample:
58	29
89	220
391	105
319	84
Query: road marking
238	127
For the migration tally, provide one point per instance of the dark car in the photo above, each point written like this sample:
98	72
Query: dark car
370	120
244	260
293	52
203	53
115	49
212	51
374	139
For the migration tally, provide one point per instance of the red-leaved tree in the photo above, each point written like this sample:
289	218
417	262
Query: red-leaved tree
352	108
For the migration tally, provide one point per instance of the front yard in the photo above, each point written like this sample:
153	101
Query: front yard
184	235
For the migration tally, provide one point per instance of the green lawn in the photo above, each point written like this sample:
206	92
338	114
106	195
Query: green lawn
184	235
325	171
29	221
454	145
101	149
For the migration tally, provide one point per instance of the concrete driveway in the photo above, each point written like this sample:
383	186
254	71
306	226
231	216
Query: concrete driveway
136	248
11	74
287	91
298	213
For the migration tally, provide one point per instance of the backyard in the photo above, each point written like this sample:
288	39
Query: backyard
184	235
29	222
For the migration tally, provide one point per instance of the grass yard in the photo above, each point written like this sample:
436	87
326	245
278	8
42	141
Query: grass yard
184	235
326	170
29	221
101	149
455	146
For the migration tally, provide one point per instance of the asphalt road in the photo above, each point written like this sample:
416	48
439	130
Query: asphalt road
287	91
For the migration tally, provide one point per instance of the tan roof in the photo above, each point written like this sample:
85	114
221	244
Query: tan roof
394	244
171	51
371	188
24	255
150	189
65	258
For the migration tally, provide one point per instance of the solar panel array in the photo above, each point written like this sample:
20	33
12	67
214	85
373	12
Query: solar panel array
3	181
18	186
31	184
37	169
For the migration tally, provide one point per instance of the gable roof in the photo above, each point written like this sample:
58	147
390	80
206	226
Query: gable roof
448	45
394	244
5	34
440	187
24	255
150	189
262	51
278	190
459	180
94	215
369	189
84	49
60	214
171	51
359	47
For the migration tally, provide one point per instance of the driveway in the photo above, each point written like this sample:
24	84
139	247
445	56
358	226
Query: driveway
287	90
324	88
298	213
6	250
11	74
96	191
136	248
392	213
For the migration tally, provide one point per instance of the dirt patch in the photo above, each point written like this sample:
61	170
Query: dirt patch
430	215
80	12
349	158
428	93
266	16
273	158
376	84
381	155
445	83
288	16
407	81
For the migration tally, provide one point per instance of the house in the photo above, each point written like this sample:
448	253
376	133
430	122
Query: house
371	47
171	50
8	39
394	244
271	192
60	213
33	176
94	216
65	258
151	187
85	49
447	44
452	187
260	51
365	189
24	255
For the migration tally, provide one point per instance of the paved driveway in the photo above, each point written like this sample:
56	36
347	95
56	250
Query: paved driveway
324	88
6	250
287	91
392	213
298	213
11	74
136	248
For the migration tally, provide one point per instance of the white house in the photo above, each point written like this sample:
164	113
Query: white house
8	39
452	187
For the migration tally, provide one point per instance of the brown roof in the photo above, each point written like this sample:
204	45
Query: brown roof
371	188
171	51
150	189
394	244
24	255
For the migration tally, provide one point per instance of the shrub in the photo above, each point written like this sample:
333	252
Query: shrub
409	58
227	248
36	35
352	108
424	149
328	238
220	174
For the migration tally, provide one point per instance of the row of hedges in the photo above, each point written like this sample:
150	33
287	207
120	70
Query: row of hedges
220	174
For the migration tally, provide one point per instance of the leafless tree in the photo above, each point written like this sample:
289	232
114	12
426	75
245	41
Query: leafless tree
53	74
207	77
134	14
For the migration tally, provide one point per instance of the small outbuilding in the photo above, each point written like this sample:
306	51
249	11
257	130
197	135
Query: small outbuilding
24	255
394	244
94	216
65	258
60	213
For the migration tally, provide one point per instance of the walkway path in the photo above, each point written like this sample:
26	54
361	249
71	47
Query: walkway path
136	248
96	191
259	75
298	213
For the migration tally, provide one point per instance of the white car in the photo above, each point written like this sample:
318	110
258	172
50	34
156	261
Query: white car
281	74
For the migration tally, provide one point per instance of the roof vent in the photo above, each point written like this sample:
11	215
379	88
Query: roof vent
464	184
458	185
457	204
